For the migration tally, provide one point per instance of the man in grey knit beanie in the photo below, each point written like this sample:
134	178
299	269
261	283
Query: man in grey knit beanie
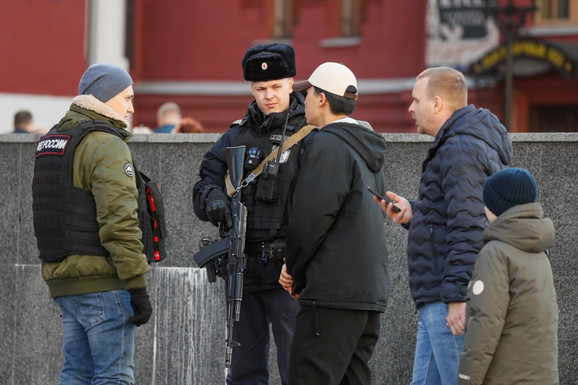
104	81
85	202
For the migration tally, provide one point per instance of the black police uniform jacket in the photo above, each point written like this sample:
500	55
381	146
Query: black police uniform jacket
336	247
267	219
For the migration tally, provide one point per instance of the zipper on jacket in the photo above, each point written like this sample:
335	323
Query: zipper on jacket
317	331
433	248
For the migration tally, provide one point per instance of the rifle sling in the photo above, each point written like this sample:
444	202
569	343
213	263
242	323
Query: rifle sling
293	139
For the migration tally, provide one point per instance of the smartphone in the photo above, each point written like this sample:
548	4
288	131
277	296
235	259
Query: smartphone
384	198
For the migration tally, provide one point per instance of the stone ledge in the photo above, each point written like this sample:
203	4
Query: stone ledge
545	137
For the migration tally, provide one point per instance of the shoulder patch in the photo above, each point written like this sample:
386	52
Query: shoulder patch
478	287
128	169
239	122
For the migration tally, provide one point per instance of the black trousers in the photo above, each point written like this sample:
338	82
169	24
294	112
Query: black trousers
332	346
259	311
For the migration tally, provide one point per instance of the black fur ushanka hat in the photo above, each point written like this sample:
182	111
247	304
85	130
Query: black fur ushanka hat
265	62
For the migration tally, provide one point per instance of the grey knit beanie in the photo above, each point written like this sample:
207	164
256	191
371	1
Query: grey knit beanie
104	81
508	188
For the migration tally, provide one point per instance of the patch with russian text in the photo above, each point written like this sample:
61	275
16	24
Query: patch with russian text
52	145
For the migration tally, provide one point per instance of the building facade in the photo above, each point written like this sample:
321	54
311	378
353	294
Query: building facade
190	52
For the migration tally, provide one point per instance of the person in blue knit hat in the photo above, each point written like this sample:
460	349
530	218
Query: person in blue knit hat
512	318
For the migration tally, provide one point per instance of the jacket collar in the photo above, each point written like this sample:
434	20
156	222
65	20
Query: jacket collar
91	103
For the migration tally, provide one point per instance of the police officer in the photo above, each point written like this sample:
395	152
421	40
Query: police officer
274	115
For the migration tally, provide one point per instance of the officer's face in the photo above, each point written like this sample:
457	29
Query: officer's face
122	102
273	95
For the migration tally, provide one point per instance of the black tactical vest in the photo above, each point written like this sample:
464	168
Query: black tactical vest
267	198
64	216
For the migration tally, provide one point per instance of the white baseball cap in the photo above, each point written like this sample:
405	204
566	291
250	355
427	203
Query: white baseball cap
330	77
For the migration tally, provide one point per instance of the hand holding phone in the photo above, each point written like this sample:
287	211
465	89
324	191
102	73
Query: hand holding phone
385	198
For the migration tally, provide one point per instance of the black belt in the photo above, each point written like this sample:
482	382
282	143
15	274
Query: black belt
264	250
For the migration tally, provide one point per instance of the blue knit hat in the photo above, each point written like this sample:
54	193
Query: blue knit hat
104	81
508	188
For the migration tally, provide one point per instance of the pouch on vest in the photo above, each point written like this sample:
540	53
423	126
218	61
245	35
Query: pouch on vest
151	217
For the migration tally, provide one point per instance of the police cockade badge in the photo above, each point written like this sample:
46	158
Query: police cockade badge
264	66
128	169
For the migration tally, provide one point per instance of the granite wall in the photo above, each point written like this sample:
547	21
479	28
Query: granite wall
184	341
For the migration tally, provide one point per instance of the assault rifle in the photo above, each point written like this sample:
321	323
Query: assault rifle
233	247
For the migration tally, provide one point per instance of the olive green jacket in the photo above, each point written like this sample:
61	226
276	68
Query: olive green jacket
102	165
512	326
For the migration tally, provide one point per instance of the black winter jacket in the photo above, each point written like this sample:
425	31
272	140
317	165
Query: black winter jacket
445	232
336	247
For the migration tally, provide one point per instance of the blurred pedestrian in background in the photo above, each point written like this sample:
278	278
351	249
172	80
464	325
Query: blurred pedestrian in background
23	122
168	117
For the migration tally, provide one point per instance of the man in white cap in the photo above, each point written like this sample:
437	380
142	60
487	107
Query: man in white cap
87	229
336	246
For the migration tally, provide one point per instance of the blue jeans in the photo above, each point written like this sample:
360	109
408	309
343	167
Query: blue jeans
437	351
98	339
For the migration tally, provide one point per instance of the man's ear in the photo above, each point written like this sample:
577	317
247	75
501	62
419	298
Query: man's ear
438	104
322	99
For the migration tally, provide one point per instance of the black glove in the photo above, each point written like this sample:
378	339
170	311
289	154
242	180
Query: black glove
141	305
218	208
